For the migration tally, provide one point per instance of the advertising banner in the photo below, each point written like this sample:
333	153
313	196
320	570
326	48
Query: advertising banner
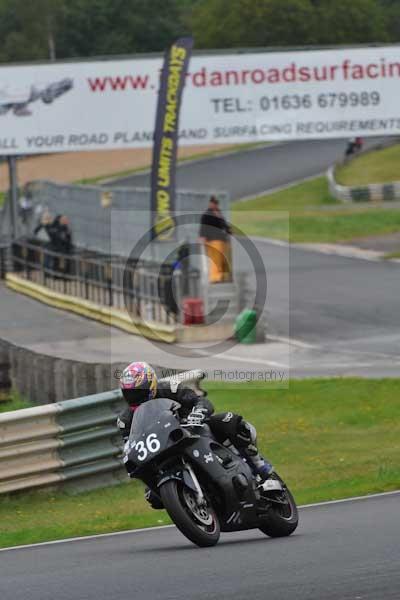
229	98
165	147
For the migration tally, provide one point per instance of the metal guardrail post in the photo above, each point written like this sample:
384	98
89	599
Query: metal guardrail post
3	261
12	167
109	284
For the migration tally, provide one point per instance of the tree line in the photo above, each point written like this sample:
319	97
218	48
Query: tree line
49	29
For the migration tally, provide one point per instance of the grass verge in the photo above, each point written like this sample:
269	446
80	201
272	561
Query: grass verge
341	225
12	401
313	216
392	255
313	192
329	438
381	166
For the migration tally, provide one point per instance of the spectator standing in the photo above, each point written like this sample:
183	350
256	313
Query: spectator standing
59	236
214	233
63	242
182	263
25	206
63	235
46	230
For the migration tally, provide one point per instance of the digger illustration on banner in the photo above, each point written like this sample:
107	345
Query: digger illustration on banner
163	173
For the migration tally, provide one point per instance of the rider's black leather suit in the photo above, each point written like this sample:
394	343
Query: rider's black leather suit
227	427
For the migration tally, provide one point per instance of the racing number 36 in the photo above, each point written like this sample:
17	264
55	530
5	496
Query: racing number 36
152	445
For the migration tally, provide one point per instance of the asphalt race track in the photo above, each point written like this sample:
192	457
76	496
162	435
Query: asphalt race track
344	309
252	172
345	551
331	297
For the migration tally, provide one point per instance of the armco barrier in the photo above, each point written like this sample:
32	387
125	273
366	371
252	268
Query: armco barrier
73	441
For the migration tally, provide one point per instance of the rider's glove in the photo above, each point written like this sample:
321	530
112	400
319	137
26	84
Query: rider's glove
196	417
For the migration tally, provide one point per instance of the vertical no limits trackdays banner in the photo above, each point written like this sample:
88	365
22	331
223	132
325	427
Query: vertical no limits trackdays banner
166	138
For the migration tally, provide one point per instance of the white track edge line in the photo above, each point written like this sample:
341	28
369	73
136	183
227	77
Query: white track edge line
232	357
291	342
335	250
149	529
87	537
353	499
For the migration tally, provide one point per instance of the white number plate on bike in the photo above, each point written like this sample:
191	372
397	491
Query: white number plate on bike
271	485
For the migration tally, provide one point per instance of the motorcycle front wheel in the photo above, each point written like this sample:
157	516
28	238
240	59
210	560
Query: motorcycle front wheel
198	523
283	516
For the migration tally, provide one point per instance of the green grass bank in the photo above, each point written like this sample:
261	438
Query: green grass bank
329	438
306	212
12	401
380	166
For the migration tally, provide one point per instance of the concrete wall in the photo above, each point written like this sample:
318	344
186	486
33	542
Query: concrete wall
45	379
5	381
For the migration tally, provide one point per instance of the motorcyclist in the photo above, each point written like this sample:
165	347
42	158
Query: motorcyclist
139	384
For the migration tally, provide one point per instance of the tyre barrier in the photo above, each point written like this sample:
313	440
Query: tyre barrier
374	192
75	444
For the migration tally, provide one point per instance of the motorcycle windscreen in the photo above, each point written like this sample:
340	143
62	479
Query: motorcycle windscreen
151	427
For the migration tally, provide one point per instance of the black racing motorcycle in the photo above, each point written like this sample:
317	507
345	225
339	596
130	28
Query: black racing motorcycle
205	487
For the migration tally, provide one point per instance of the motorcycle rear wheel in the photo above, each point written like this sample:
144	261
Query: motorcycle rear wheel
199	524
283	518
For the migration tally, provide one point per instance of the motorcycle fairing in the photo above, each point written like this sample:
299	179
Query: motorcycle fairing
238	508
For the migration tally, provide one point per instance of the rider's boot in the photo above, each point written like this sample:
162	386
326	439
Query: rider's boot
247	435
